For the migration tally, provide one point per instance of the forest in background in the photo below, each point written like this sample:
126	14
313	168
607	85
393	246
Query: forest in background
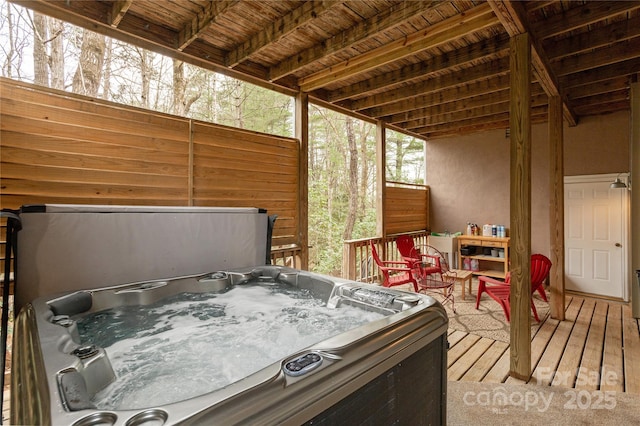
342	167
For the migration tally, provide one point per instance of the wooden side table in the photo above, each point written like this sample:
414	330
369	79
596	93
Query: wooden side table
462	276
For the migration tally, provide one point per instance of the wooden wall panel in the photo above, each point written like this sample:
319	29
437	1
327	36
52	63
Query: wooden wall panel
57	147
61	148
406	209
247	169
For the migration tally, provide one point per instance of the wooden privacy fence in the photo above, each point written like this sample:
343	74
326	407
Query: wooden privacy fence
406	208
57	147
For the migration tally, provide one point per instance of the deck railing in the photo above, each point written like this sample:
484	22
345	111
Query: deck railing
357	262
288	255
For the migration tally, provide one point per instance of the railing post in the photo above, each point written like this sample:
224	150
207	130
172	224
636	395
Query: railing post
349	261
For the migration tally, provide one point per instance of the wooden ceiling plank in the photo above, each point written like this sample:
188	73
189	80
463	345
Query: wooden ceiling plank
538	110
460	57
452	28
513	17
614	53
492	123
278	29
383	21
596	38
375	104
499	97
598	88
201	22
625	68
118	10
578	17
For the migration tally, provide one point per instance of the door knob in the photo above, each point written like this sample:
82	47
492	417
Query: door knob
618	245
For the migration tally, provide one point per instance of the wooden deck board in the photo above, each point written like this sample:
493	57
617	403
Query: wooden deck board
597	347
485	362
500	370
589	371
461	348
612	372
468	359
566	371
631	348
546	367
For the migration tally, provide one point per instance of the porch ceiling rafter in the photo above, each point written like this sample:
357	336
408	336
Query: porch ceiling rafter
118	10
387	59
513	17
201	22
384	21
436	35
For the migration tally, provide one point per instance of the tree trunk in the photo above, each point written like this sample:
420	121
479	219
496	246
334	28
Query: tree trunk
364	170
7	67
353	181
40	57
86	80
178	87
106	87
56	57
238	99
145	73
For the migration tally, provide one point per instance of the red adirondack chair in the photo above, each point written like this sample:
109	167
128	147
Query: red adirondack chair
501	290
394	272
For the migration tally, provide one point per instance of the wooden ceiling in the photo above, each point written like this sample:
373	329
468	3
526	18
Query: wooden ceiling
431	68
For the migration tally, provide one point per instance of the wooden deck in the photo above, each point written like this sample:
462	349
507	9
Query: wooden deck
597	347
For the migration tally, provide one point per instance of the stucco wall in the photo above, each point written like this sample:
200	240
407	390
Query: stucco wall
469	175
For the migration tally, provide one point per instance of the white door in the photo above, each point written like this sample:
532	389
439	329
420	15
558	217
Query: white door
595	227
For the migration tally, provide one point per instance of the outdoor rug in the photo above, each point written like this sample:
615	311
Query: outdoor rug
488	320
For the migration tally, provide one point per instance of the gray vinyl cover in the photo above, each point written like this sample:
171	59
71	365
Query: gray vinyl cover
73	247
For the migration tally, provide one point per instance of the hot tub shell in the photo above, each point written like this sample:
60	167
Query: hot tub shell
391	370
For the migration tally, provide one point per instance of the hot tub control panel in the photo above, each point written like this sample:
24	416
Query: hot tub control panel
303	364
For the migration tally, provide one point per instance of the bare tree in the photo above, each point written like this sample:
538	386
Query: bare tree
86	80
40	56
181	101
56	57
352	183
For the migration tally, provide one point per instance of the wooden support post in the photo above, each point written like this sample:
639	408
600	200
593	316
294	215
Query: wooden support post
520	124
556	207
381	178
634	152
302	134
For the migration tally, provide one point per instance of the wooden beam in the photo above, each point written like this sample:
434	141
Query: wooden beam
495	97
278	29
578	17
467	117
201	22
538	111
513	18
302	134
597	88
520	207
381	178
612	54
593	39
478	128
437	90
459	25
608	72
469	56
394	97
556	208
634	164
118	10
390	18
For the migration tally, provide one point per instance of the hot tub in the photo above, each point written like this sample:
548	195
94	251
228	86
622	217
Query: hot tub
263	353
